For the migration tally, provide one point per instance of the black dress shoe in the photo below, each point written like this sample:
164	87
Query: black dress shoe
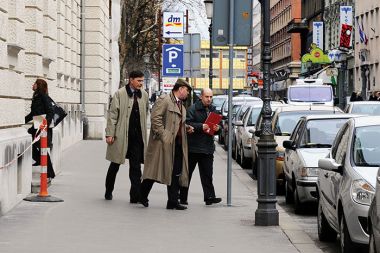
211	201
144	202
175	206
183	202
133	201
108	196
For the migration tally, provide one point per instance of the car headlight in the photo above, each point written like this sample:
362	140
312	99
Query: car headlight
308	172
362	192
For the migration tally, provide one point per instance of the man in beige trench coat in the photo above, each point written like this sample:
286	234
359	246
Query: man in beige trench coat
166	156
126	134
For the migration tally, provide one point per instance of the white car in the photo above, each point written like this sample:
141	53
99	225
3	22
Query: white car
364	107
347	181
243	153
311	140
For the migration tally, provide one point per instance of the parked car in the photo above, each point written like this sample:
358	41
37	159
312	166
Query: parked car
243	139
283	122
374	219
310	91
363	107
311	140
346	183
218	102
223	134
237	119
255	138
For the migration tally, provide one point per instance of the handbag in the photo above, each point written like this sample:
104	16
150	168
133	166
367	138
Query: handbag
59	113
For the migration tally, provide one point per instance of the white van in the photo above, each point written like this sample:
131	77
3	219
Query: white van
310	91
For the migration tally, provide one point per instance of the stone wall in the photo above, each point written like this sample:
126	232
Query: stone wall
42	39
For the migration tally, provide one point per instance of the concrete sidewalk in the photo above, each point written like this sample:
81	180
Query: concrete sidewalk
86	222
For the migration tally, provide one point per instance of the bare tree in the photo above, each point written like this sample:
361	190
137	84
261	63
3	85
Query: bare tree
139	34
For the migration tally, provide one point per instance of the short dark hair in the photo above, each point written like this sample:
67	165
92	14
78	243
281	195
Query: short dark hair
136	73
180	83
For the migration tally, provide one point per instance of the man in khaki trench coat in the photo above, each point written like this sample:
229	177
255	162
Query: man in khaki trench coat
166	155
126	134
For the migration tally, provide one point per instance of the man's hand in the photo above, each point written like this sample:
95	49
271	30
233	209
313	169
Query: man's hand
110	139
215	128
189	129
205	127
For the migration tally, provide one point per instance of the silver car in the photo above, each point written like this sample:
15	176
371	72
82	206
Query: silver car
363	107
346	182
311	140
374	219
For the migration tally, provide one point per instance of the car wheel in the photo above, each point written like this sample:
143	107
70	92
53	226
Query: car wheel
325	232
372	245
288	193
220	138
298	208
346	244
243	160
254	168
234	147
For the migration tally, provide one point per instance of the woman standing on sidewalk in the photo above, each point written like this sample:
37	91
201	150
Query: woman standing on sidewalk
41	104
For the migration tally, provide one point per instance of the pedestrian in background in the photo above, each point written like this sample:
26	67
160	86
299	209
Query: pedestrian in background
126	134
201	147
166	156
41	105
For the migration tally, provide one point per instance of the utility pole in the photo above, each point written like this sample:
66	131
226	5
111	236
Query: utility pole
159	48
266	213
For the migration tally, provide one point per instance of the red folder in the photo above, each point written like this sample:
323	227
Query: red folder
212	119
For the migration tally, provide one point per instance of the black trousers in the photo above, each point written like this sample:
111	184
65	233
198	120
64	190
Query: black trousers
173	188
135	158
205	164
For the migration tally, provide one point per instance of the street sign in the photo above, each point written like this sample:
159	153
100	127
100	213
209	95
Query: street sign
168	84
172	60
173	25
192	55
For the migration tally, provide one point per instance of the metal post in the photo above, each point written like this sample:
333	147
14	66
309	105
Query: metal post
210	74
230	90
266	213
364	69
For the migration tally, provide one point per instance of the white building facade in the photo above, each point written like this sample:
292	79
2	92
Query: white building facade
367	53
48	39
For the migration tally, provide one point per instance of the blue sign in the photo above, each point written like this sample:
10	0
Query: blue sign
172	60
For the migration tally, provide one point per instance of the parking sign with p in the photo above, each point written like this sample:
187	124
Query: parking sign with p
172	60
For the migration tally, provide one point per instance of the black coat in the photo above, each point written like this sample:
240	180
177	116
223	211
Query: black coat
199	141
41	104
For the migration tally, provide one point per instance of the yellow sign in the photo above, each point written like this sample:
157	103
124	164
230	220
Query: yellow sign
316	55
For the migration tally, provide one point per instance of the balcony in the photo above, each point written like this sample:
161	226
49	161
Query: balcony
298	25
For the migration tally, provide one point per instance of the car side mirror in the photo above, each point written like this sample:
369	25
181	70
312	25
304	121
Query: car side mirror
252	131
330	165
289	144
285	100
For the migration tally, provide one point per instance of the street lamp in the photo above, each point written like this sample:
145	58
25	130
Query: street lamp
266	213
209	13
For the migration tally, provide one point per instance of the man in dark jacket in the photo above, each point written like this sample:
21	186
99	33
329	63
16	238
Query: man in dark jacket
201	147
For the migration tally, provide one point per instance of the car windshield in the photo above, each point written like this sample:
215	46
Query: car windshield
288	120
218	102
310	94
255	113
320	133
366	149
369	109
235	108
